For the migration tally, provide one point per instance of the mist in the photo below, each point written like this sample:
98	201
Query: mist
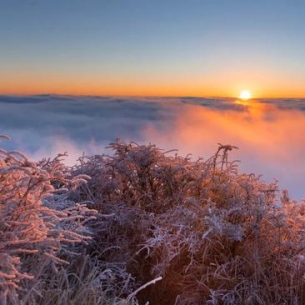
268	133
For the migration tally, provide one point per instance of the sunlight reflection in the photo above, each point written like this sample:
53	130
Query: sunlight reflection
254	107
243	102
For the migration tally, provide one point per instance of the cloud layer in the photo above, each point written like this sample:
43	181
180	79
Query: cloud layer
269	133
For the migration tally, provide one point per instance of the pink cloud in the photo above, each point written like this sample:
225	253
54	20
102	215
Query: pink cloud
270	139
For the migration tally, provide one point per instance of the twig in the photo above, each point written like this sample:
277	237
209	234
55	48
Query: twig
143	287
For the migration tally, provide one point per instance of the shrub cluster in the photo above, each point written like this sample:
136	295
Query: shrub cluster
40	228
143	225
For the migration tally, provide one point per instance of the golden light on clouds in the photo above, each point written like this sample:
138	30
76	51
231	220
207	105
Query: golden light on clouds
264	134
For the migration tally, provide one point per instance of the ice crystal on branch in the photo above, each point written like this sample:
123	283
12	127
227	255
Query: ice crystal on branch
215	235
167	229
34	233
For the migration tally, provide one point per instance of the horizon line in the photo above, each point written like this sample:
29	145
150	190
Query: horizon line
147	96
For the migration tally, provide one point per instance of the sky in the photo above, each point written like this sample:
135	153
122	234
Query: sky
152	47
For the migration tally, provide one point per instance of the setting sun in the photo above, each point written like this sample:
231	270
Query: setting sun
245	95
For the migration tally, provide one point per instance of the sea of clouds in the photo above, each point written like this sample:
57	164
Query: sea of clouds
269	133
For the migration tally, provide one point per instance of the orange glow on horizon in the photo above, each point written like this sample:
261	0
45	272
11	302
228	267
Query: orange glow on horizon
126	91
145	86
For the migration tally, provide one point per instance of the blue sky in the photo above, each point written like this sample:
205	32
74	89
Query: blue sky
206	47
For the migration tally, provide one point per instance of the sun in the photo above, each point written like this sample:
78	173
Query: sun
245	95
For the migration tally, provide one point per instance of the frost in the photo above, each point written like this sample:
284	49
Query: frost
34	233
140	225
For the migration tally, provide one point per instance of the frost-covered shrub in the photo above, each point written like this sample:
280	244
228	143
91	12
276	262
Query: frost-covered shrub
216	236
165	229
38	224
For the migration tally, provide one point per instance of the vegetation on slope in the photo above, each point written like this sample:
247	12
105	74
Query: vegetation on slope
143	225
